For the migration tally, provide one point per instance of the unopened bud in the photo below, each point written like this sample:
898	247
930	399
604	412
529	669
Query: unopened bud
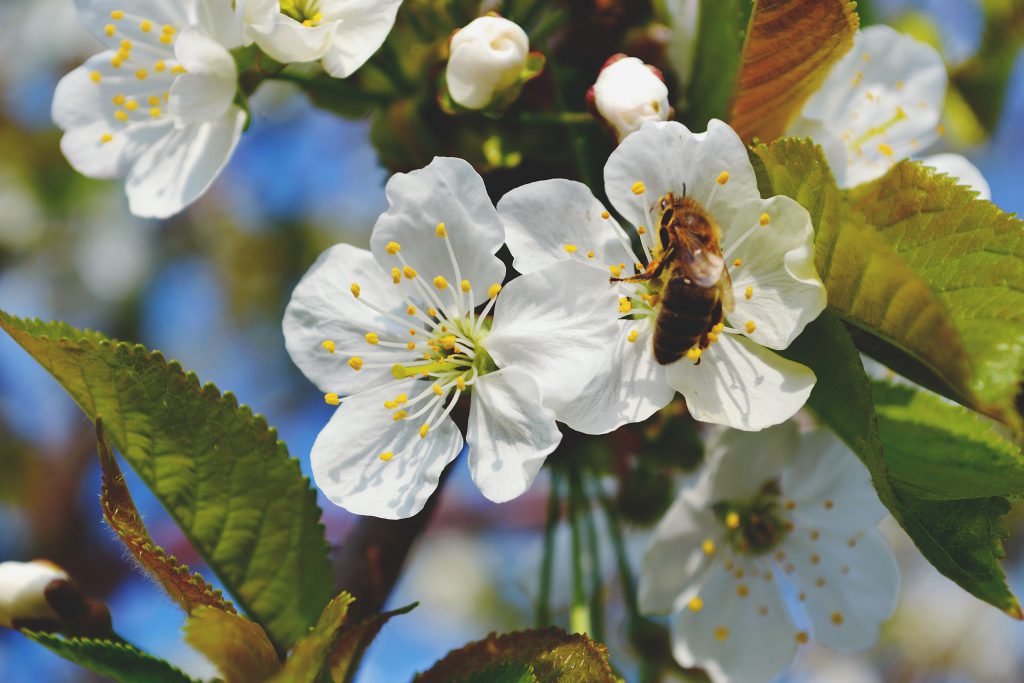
488	56
23	591
627	94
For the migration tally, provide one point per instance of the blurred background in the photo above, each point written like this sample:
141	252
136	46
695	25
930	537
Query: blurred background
208	288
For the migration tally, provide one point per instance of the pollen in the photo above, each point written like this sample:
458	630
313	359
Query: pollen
177	68
161	65
440	282
708	546
356	363
721	633
411	346
732	520
448	341
737	263
110	30
372	338
570	248
605	215
146	26
492	291
641	230
801	637
828	504
121	115
168	30
118	100
424	428
437	389
460	384
141	74
154	112
465	286
390	405
393	248
441	230
166	39
695	604
765	219
616	271
409	273
885	149
386	456
693	354
131	105
402	399
750	327
329	346
722	178
355	289
590	254
742	590
117	15
633	334
400	415
815	558
332	399
96	77
638	187
749	292
106	137
396	275
837	618
625	305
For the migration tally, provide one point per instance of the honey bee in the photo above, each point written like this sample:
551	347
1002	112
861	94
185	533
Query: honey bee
696	290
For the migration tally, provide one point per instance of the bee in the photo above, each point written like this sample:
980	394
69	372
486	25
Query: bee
696	290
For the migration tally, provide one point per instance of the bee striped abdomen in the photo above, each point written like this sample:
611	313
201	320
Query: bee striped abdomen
687	313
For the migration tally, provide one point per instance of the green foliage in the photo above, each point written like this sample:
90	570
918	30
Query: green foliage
554	655
506	672
961	537
351	643
900	284
716	64
116	660
239	648
311	653
218	469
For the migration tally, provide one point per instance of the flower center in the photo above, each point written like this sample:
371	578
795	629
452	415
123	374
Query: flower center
757	526
306	12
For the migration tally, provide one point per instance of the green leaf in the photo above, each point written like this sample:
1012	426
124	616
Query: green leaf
791	46
353	640
506	672
310	655
555	656
218	469
239	648
971	254
961	538
892	287
118	661
716	62
185	588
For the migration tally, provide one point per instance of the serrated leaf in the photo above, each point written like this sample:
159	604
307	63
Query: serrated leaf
971	254
119	661
238	647
716	62
506	672
187	589
790	48
961	538
556	657
218	469
310	655
900	318
353	640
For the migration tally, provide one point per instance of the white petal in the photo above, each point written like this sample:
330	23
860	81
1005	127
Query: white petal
738	464
287	40
778	268
742	385
739	639
209	85
96	16
346	456
322	308
629	387
363	27
556	323
675	557
217	20
830	487
447	191
884	98
847	591
23	590
510	433
79	101
667	157
543	217
175	172
86	151
957	166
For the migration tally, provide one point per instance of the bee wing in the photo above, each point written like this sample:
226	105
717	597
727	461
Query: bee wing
725	291
703	267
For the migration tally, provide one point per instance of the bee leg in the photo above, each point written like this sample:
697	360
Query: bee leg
654	270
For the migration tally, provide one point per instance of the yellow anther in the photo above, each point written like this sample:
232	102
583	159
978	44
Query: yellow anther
570	248
356	363
717	329
440	282
712	337
437	389
372	338
96	77
448	341
166	39
146	25
493	290
141	74
116	62
641	230
121	115
154	112
441	230
695	604
396	275
424	428
411	346
355	289
737	263
393	248
721	633
106	137
412	331
118	100
402	399
722	178
409	273
708	546
940	129
329	346
828	504
126	45
590	254
400	415
749	292
885	149
169	30
465	286
616	271
386	456
110	30
625	305
332	399
750	327
460	384
177	68
117	15
633	334
605	215
161	65
693	354
732	520
801	637
639	187
432	312
390	405
837	618
131	105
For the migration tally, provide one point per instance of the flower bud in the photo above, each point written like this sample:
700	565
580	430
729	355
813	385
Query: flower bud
488	56
627	94
23	591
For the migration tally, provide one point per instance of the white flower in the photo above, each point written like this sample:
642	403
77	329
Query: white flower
488	55
22	591
157	107
629	93
774	514
395	330
880	104
767	246
343	34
